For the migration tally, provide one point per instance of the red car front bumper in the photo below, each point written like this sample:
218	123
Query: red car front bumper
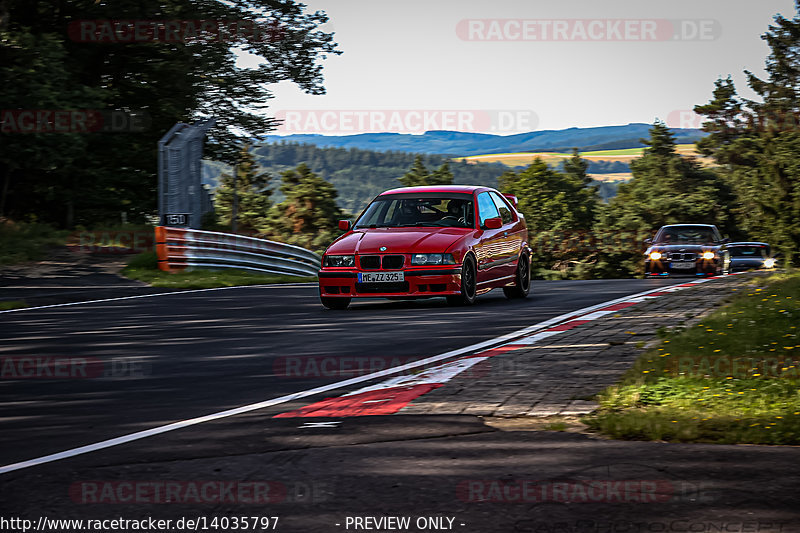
419	283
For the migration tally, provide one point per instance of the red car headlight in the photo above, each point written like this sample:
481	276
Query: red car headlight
339	261
432	259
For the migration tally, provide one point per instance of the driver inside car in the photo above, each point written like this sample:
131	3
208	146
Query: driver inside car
458	210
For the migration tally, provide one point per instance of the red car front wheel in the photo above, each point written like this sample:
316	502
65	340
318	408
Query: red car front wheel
469	284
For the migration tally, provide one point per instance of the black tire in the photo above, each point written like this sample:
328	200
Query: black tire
523	280
335	303
469	284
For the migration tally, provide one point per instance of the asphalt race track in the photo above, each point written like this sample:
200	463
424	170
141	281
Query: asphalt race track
185	355
157	360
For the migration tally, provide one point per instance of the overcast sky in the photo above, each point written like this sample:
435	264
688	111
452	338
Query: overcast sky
547	64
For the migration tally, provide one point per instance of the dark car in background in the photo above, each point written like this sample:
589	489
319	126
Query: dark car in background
688	249
741	256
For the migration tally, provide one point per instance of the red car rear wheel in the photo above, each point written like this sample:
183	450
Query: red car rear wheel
523	280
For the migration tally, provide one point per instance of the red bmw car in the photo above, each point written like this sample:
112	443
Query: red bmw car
455	241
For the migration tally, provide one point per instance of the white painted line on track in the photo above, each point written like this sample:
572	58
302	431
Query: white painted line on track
158	294
311	392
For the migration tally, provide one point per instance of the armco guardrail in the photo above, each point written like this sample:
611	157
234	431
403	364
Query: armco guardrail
186	249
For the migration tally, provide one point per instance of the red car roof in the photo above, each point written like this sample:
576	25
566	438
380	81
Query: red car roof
436	188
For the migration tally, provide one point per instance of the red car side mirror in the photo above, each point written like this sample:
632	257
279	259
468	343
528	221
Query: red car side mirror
493	223
344	225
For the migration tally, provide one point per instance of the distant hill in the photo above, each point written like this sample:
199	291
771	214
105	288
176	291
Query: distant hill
456	143
358	175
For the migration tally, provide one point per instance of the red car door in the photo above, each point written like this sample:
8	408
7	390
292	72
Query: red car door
492	242
513	236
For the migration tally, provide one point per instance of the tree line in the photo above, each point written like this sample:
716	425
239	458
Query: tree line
79	173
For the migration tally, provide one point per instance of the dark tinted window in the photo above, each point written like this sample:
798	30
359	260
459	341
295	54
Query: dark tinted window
747	251
502	207
686	235
486	207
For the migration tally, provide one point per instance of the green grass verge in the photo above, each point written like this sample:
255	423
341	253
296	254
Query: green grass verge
144	267
13	304
20	242
732	378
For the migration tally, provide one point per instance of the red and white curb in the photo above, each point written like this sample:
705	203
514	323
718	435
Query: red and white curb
390	396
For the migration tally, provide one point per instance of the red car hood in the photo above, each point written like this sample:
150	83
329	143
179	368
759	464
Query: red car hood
398	240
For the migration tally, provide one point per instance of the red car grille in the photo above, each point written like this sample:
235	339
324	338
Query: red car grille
375	262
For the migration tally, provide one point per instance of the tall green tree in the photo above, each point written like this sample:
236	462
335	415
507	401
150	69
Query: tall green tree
757	143
418	175
558	208
309	215
441	176
89	177
252	191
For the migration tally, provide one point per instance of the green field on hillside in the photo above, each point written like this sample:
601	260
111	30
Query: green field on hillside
624	155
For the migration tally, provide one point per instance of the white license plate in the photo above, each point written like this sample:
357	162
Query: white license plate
679	266
381	277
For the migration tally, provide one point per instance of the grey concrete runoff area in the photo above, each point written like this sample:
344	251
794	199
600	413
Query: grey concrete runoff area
461	458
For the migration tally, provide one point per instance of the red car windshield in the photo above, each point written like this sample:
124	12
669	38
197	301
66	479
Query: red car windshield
408	210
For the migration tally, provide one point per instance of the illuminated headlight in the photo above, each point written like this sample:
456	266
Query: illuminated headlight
769	263
339	261
708	255
655	256
432	259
